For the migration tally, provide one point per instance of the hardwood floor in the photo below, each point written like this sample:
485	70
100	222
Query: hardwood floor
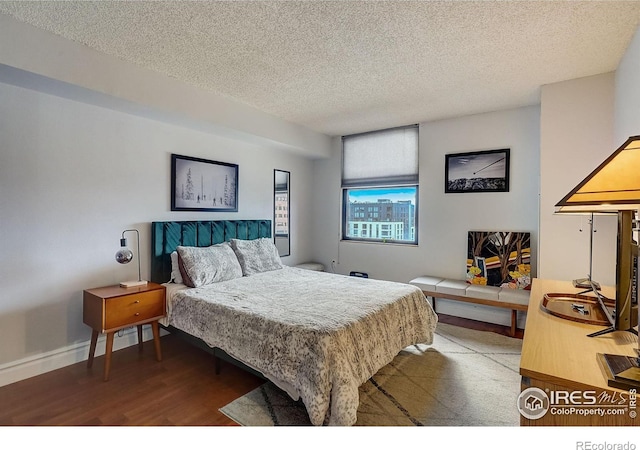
182	389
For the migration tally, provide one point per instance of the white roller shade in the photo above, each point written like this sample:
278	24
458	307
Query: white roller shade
381	158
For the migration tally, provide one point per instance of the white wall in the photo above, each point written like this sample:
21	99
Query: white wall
444	219
576	136
73	176
627	94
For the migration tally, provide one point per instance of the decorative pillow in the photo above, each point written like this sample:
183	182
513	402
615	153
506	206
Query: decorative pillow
176	276
256	255
206	265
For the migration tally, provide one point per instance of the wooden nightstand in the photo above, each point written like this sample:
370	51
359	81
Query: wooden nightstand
111	308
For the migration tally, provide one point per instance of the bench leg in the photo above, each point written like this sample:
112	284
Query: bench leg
514	322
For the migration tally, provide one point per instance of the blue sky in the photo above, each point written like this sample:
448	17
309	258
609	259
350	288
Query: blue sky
372	195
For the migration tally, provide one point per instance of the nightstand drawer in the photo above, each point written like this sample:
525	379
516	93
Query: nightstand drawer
131	309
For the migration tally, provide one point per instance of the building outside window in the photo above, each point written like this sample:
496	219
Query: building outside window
282	213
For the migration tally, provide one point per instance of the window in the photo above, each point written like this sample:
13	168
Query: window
380	186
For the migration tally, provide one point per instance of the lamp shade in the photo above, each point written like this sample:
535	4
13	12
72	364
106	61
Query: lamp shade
612	186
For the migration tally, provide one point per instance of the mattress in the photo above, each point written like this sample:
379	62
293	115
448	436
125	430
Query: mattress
317	335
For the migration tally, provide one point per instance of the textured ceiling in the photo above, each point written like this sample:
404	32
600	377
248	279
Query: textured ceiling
340	67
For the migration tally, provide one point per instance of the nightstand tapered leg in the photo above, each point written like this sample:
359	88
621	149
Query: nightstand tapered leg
140	338
107	355
156	339
92	347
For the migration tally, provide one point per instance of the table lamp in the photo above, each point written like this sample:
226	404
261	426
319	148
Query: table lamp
614	186
124	256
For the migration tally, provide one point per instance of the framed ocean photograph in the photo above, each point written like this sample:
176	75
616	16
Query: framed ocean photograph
203	185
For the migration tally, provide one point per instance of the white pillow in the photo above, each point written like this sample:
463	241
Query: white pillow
256	255
200	266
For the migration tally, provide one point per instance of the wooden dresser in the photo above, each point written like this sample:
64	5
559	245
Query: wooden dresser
559	362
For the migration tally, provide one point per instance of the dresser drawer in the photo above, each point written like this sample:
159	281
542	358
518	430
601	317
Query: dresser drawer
134	308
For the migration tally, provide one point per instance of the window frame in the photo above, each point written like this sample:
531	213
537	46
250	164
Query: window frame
409	179
401	179
345	216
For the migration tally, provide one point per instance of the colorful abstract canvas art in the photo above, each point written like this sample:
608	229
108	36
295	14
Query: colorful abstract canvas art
499	258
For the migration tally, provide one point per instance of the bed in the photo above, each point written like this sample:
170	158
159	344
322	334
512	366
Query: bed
316	335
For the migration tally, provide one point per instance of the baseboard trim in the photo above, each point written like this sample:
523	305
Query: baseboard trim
56	359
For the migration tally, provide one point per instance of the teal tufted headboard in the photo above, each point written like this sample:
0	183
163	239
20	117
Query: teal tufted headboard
166	236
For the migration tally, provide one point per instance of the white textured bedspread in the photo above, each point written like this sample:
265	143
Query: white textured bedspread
323	334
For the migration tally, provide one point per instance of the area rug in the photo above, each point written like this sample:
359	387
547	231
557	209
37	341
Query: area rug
465	378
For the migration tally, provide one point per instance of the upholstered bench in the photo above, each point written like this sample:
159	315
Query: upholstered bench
513	299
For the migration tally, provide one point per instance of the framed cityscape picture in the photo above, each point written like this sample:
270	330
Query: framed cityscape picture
483	171
203	185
